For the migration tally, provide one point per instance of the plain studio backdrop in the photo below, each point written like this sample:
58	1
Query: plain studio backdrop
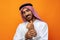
48	10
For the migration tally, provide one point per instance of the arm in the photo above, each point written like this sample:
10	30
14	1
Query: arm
43	34
18	34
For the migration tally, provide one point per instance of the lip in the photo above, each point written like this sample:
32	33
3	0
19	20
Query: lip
28	16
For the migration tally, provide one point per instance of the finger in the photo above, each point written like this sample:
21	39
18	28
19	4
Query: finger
32	30
31	21
34	34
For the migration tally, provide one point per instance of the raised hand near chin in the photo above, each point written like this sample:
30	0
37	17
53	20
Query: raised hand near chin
30	25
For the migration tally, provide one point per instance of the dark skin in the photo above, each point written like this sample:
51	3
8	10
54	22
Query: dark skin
27	14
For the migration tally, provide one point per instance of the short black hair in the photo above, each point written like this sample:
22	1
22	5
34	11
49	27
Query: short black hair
27	4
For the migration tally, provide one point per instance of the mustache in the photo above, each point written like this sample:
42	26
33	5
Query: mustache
27	15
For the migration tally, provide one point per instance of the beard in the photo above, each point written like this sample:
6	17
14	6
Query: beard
29	17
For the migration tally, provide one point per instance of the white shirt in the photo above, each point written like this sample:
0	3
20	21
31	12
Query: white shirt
40	27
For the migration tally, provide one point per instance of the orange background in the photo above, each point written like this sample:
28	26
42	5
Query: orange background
48	10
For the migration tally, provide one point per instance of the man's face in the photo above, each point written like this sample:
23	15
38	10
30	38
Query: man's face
27	14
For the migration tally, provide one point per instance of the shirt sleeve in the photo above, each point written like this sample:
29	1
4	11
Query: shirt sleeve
18	34
43	34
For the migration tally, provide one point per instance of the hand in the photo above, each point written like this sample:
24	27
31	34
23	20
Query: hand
30	34
31	31
30	25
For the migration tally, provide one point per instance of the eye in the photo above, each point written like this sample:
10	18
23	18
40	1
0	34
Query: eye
23	12
27	10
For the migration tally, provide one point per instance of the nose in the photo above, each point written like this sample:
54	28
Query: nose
26	13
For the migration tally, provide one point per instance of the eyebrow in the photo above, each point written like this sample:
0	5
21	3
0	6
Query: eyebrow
26	9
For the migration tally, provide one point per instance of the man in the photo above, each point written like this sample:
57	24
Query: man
32	28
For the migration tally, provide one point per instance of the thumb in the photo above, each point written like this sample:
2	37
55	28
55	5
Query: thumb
31	22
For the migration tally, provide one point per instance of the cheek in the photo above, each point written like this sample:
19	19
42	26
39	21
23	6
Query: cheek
30	13
24	15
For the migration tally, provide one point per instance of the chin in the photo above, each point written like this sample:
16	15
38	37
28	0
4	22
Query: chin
29	19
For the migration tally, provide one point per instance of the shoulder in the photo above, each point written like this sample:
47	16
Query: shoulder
41	23
21	26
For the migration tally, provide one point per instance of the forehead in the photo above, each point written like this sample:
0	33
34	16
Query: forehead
24	9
